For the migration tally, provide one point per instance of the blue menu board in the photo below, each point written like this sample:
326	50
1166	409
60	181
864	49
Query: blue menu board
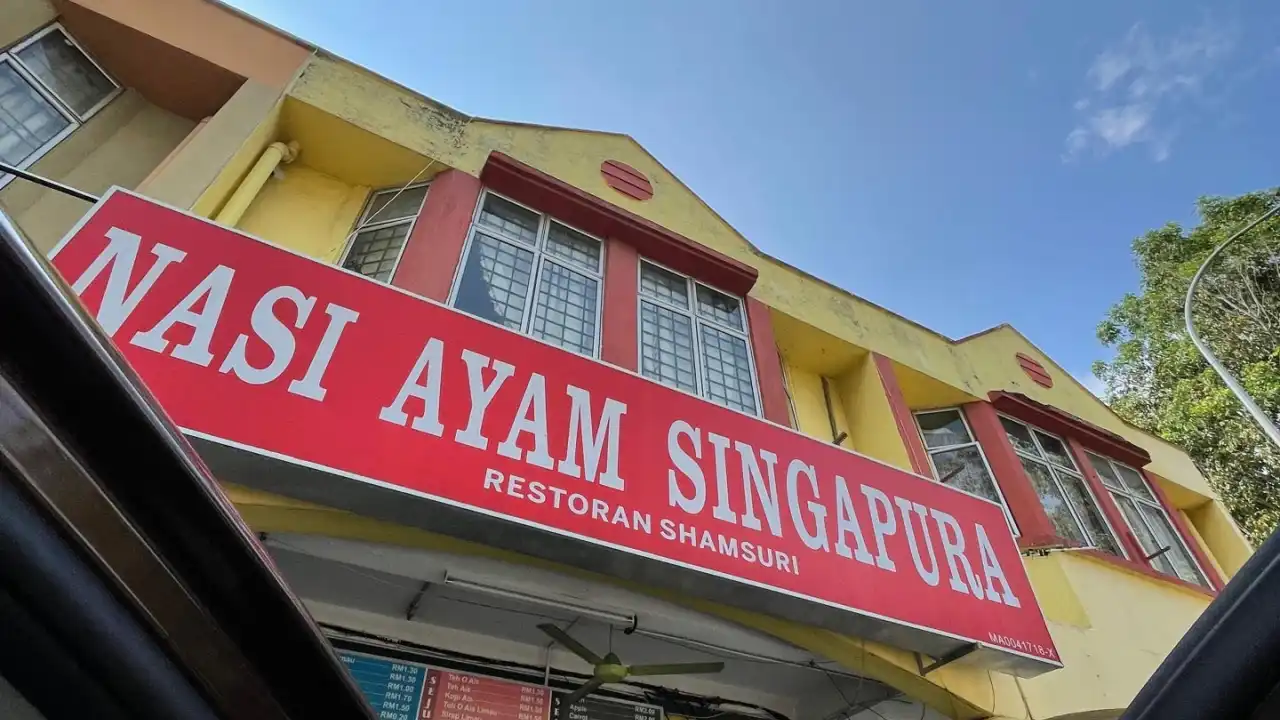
392	687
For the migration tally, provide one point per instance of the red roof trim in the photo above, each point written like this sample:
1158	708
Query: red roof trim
587	212
1061	422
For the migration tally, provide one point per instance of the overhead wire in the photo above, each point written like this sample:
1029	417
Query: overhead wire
365	222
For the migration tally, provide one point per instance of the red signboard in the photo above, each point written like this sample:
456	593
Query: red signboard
462	696
247	342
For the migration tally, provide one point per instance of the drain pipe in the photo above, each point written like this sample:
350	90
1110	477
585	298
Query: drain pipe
271	158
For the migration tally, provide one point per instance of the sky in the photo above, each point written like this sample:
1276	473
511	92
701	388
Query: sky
963	164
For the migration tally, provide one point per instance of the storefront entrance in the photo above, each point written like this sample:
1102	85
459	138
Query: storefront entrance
435	635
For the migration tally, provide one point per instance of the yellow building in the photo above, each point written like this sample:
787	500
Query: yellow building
584	241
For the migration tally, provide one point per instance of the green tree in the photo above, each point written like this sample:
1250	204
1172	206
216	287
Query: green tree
1159	382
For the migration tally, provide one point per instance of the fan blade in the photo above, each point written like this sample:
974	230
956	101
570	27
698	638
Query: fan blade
577	695
676	669
572	645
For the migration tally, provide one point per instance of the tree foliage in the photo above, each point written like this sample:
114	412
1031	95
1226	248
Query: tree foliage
1159	382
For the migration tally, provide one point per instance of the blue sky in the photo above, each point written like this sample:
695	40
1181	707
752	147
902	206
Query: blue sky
961	163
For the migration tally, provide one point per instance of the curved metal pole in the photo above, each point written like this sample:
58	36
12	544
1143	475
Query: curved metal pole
7	169
1259	415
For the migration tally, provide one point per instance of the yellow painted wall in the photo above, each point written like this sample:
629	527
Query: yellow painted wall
306	211
1221	535
249	145
1199	539
873	430
210	149
20	18
1111	641
811	408
118	146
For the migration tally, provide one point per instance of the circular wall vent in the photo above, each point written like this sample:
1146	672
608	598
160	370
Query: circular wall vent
1034	370
626	180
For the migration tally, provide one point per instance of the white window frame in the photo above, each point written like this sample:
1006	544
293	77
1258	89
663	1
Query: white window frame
364	225
1043	459
540	256
691	312
973	440
1153	502
74	121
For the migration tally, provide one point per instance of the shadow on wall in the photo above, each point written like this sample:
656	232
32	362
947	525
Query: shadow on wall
120	145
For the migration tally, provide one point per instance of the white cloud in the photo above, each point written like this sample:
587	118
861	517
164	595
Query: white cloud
1138	87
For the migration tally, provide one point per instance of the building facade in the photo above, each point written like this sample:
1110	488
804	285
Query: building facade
577	254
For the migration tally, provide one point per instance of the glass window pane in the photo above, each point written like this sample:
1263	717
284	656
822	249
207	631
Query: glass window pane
1146	540
664	285
374	252
942	428
715	305
564	308
510	218
1134	482
1166	536
1055	506
970	472
573	246
666	347
727	369
1105	472
1020	436
388	205
27	119
67	72
1088	512
1055	450
495	281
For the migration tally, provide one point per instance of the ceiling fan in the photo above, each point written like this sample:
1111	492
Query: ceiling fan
609	669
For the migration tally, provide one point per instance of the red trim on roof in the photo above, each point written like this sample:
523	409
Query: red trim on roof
1064	423
599	217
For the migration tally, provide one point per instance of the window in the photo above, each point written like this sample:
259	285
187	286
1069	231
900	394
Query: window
383	229
1063	492
1147	520
532	274
48	87
957	458
694	338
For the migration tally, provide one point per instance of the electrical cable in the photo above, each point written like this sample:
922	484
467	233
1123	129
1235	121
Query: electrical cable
857	693
365	222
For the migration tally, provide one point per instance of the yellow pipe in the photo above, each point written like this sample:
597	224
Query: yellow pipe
276	153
